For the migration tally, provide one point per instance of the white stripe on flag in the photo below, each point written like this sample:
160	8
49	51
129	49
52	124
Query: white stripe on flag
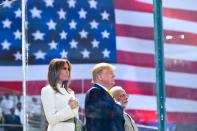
123	72
176	4
146	20
172	51
142	102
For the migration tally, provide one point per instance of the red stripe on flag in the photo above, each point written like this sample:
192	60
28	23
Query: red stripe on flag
144	88
180	14
131	87
147	60
140	116
143	116
147	33
11	87
133	5
136	59
134	31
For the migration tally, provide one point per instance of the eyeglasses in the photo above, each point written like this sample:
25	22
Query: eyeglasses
123	95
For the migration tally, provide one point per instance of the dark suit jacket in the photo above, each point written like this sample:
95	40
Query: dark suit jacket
102	113
13	119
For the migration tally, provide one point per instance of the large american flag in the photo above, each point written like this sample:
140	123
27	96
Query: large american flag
119	32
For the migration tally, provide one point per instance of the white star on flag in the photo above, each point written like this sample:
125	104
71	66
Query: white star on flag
73	24
63	54
95	43
93	4
18	13
83	34
53	45
40	55
63	35
17	35
6	23
85	53
7	3
18	56
105	15
38	35
82	13
49	3
105	34
61	14
5	45
106	53
73	44
51	25
94	24
35	13
71	3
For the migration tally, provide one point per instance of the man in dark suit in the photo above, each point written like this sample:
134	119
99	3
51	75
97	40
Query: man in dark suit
102	113
13	120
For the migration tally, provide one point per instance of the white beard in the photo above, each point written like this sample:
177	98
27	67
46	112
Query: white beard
124	105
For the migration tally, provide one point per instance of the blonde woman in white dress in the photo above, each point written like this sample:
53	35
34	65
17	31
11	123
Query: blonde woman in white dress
59	102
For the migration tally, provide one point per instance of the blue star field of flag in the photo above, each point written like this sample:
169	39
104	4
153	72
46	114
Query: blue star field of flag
82	31
10	33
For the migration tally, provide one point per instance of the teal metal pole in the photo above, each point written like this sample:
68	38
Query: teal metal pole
159	61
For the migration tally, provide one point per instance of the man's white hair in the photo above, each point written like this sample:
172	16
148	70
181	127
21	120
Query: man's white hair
116	88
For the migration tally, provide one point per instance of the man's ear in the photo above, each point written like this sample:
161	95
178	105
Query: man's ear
99	77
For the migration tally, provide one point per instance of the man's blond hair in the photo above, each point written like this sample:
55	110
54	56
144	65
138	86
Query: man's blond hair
98	68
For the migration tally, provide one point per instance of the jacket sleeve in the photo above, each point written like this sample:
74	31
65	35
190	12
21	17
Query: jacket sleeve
53	117
75	110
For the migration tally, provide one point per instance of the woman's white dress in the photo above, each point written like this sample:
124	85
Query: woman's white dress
57	110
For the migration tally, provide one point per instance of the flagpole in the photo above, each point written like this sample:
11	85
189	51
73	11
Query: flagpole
159	61
24	58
